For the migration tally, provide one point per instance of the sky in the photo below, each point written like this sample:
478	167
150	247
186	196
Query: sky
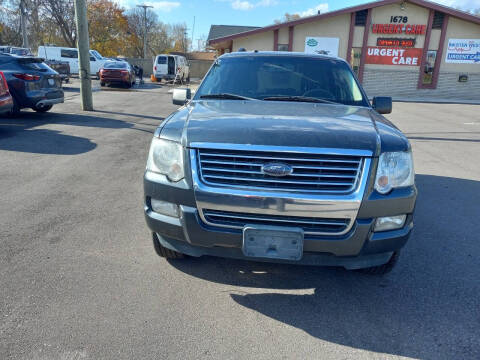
249	12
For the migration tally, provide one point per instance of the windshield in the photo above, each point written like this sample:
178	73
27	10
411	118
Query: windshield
96	54
20	51
115	65
269	76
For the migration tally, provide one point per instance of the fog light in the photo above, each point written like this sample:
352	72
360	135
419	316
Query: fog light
164	207
390	222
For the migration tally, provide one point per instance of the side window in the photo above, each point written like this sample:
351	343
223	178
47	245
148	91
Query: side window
70	54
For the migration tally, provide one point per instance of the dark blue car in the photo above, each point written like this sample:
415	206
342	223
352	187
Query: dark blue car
32	83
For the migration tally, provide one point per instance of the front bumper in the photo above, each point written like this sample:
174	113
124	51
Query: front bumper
360	247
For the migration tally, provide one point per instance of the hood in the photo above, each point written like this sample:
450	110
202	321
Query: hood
274	124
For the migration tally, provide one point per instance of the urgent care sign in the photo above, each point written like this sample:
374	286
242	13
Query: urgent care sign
393	56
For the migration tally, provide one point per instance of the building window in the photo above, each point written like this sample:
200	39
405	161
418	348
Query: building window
282	47
355	59
429	66
361	18
438	20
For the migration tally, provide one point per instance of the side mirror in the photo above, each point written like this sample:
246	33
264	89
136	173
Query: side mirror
382	104
181	96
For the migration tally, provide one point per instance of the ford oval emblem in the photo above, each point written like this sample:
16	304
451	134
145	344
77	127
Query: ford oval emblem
277	169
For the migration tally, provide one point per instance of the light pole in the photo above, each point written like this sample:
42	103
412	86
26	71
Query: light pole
145	7
23	24
83	54
193	30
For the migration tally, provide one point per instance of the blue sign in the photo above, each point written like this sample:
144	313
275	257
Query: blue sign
463	51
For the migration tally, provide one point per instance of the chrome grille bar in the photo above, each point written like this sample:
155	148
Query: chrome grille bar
311	172
310	226
276	158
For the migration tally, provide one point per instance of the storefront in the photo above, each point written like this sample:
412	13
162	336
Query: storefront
405	49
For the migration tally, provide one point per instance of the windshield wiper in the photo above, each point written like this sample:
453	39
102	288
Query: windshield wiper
226	96
299	99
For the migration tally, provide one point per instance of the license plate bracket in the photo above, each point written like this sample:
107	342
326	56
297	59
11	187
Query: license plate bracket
273	242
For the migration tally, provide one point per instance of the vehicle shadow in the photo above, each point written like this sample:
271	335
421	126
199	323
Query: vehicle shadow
428	307
24	133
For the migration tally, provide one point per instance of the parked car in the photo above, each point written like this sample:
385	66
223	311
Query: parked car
169	67
62	67
16	50
32	83
280	157
6	102
117	72
70	55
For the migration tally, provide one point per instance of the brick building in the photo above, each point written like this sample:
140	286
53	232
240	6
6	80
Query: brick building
402	48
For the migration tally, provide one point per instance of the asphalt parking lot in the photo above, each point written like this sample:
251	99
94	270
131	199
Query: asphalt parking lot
80	280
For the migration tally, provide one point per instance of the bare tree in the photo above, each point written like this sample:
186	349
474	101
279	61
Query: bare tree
287	17
10	23
136	27
63	14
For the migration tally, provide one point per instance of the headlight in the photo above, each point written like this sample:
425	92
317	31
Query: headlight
395	169
166	157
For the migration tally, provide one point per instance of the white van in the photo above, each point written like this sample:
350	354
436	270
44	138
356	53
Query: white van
71	55
167	66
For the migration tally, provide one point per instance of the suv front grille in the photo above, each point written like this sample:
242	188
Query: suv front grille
338	174
310	225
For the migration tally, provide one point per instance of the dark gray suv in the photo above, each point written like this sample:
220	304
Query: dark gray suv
280	157
33	84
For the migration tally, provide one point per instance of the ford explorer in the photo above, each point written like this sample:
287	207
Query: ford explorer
281	157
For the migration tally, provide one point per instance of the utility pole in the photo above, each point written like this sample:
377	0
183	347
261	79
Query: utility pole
193	30
83	54
185	42
145	7
23	24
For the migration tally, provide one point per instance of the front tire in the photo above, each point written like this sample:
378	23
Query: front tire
42	109
164	252
382	269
